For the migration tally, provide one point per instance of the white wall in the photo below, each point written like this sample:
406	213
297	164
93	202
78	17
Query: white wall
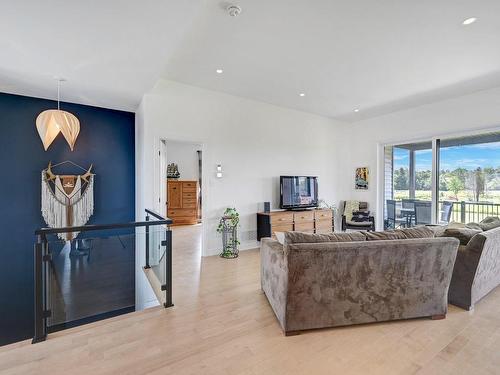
255	143
185	155
473	112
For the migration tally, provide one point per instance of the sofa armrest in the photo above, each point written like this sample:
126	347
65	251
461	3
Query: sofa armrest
464	271
274	276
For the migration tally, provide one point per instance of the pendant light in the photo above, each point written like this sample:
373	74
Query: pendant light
51	122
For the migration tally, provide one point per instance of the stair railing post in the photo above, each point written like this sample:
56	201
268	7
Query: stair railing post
168	267
40	250
147	244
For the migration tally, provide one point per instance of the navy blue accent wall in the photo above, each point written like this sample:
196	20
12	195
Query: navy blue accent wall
106	140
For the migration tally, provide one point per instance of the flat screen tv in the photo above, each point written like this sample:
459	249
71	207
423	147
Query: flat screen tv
298	192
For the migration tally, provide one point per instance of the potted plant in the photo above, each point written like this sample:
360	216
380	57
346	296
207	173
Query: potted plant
228	227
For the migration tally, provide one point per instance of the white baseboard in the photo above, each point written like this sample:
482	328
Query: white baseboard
149	304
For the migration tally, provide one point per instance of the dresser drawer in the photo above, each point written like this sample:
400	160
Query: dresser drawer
304	227
188	195
324	224
323	214
303	216
189	186
282	228
189	203
278	218
181	212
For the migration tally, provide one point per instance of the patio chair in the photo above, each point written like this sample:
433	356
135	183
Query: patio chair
408	206
446	210
393	221
423	212
347	223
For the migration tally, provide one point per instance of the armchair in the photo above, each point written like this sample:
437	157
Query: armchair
348	208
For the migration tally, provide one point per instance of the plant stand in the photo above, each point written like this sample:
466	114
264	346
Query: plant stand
229	239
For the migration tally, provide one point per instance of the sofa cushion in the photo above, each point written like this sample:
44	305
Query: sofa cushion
400	234
396	234
464	235
301	237
491	222
420	231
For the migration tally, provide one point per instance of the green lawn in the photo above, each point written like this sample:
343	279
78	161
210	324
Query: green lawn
492	196
472	212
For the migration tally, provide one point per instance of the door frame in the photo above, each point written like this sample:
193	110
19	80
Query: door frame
161	176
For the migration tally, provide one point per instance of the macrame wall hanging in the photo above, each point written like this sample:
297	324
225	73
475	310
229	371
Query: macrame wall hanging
67	200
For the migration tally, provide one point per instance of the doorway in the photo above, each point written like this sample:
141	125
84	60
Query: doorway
181	182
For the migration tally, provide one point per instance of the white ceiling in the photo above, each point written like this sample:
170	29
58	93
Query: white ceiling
110	51
379	56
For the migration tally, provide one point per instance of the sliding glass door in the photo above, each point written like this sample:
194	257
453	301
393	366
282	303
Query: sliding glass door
469	176
464	186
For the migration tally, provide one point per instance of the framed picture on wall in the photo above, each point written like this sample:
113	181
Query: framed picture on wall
362	178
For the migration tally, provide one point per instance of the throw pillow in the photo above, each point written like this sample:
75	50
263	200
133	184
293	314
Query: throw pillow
301	237
464	235
489	223
280	236
475	226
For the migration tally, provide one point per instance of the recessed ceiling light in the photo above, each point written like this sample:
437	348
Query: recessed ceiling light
219	71
469	21
302	94
356	110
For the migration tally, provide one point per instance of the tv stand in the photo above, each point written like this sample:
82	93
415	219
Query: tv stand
310	221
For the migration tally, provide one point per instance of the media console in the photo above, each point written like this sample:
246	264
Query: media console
311	221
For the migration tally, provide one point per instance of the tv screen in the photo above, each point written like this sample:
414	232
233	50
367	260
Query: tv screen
298	192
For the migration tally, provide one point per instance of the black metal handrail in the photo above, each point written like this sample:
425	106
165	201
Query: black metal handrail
43	257
157	215
92	227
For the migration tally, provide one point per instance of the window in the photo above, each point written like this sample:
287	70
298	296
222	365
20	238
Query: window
467	179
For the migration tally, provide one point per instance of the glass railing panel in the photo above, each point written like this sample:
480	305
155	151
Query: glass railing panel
91	275
157	235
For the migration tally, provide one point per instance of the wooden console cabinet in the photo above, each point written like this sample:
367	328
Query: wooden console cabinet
311	221
182	201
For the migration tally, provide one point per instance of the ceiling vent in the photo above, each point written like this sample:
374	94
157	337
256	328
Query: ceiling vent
233	10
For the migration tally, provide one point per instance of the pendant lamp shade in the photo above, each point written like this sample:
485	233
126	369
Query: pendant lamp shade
49	123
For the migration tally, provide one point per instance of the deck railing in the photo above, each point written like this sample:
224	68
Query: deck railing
468	212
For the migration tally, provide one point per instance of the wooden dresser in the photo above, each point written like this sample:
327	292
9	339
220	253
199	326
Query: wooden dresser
311	221
182	201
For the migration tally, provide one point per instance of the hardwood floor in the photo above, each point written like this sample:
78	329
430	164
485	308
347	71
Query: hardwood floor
222	324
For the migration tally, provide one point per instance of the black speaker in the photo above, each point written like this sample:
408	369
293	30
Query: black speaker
267	206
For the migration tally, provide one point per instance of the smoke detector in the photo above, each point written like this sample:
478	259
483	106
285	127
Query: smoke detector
233	10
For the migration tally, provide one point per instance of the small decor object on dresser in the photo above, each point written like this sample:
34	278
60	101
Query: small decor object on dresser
228	227
173	171
362	178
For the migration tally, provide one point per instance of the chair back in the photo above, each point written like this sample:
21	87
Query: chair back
408	203
423	212
446	210
391	209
